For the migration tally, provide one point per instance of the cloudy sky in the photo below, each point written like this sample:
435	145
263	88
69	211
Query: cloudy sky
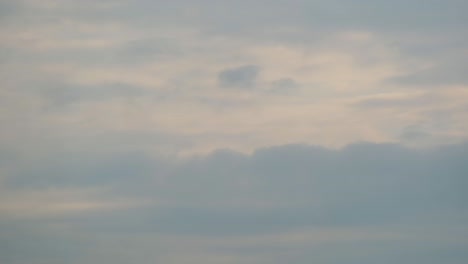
233	132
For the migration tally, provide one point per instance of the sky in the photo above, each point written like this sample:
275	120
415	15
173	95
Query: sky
233	132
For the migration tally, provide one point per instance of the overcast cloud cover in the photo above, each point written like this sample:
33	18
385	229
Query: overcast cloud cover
241	132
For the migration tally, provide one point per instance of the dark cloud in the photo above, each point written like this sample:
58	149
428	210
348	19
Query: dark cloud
239	77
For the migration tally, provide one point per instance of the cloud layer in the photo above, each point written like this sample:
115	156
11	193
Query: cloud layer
210	131
303	69
241	208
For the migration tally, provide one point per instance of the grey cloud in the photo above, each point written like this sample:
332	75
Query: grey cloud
359	185
91	45
400	15
249	19
400	103
60	94
9	8
284	85
131	52
110	159
82	170
414	132
274	190
244	16
384	251
239	77
250	16
449	72
35	242
226	195
150	49
364	184
65	94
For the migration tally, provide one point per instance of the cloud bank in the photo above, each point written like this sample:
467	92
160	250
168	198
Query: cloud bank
381	200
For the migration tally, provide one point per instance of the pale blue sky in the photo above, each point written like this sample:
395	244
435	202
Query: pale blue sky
241	132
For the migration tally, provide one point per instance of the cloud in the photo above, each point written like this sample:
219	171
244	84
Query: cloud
36	242
7	8
283	85
69	94
332	52
377	179
414	133
449	72
239	77
397	101
249	18
108	119
274	191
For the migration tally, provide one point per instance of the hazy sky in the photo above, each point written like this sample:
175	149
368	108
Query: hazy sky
243	132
